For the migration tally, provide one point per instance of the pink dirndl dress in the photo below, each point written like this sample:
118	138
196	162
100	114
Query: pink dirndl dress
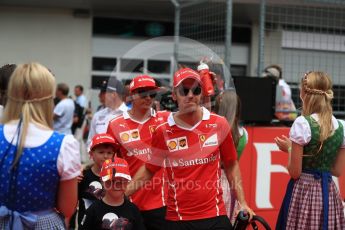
313	200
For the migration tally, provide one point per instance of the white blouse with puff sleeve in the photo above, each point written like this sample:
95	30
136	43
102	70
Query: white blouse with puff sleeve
300	131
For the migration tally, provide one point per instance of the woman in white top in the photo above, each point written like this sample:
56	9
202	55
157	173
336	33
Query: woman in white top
316	153
38	167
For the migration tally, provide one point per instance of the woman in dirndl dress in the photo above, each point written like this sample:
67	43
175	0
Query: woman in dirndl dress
38	167
316	153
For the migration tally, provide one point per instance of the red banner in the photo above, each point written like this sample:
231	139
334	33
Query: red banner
264	173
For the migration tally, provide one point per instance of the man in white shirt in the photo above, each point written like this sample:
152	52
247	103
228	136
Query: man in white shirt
64	110
80	97
114	106
285	107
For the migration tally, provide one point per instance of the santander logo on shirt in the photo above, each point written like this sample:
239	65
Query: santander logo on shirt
138	152
197	161
193	157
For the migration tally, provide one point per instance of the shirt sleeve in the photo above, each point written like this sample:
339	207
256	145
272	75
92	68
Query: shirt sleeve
83	102
343	144
159	150
227	148
88	221
300	132
111	132
68	162
58	109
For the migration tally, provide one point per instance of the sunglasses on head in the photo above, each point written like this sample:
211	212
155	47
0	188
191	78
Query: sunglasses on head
146	93
183	91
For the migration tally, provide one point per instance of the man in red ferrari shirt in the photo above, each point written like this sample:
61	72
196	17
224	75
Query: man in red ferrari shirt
192	144
133	131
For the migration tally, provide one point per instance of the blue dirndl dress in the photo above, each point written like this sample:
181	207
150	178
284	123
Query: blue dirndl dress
29	189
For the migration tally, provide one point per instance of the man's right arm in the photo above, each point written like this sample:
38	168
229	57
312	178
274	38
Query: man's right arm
146	172
143	175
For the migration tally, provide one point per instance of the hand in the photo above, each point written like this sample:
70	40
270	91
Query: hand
81	175
283	143
249	211
75	120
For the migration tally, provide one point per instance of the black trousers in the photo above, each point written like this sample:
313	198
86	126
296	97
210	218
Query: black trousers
215	223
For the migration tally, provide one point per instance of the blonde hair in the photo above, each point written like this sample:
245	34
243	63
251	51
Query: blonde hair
318	94
30	99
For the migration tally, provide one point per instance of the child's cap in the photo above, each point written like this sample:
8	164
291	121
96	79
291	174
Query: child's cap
113	168
103	138
142	81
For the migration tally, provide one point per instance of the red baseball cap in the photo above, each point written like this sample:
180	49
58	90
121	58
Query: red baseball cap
142	81
185	73
113	168
103	138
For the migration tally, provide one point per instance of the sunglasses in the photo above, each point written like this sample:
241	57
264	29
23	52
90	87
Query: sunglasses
146	93
184	91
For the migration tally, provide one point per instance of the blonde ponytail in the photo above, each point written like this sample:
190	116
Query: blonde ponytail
318	94
30	99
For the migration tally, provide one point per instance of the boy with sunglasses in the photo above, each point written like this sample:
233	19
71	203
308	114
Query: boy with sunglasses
191	145
133	131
